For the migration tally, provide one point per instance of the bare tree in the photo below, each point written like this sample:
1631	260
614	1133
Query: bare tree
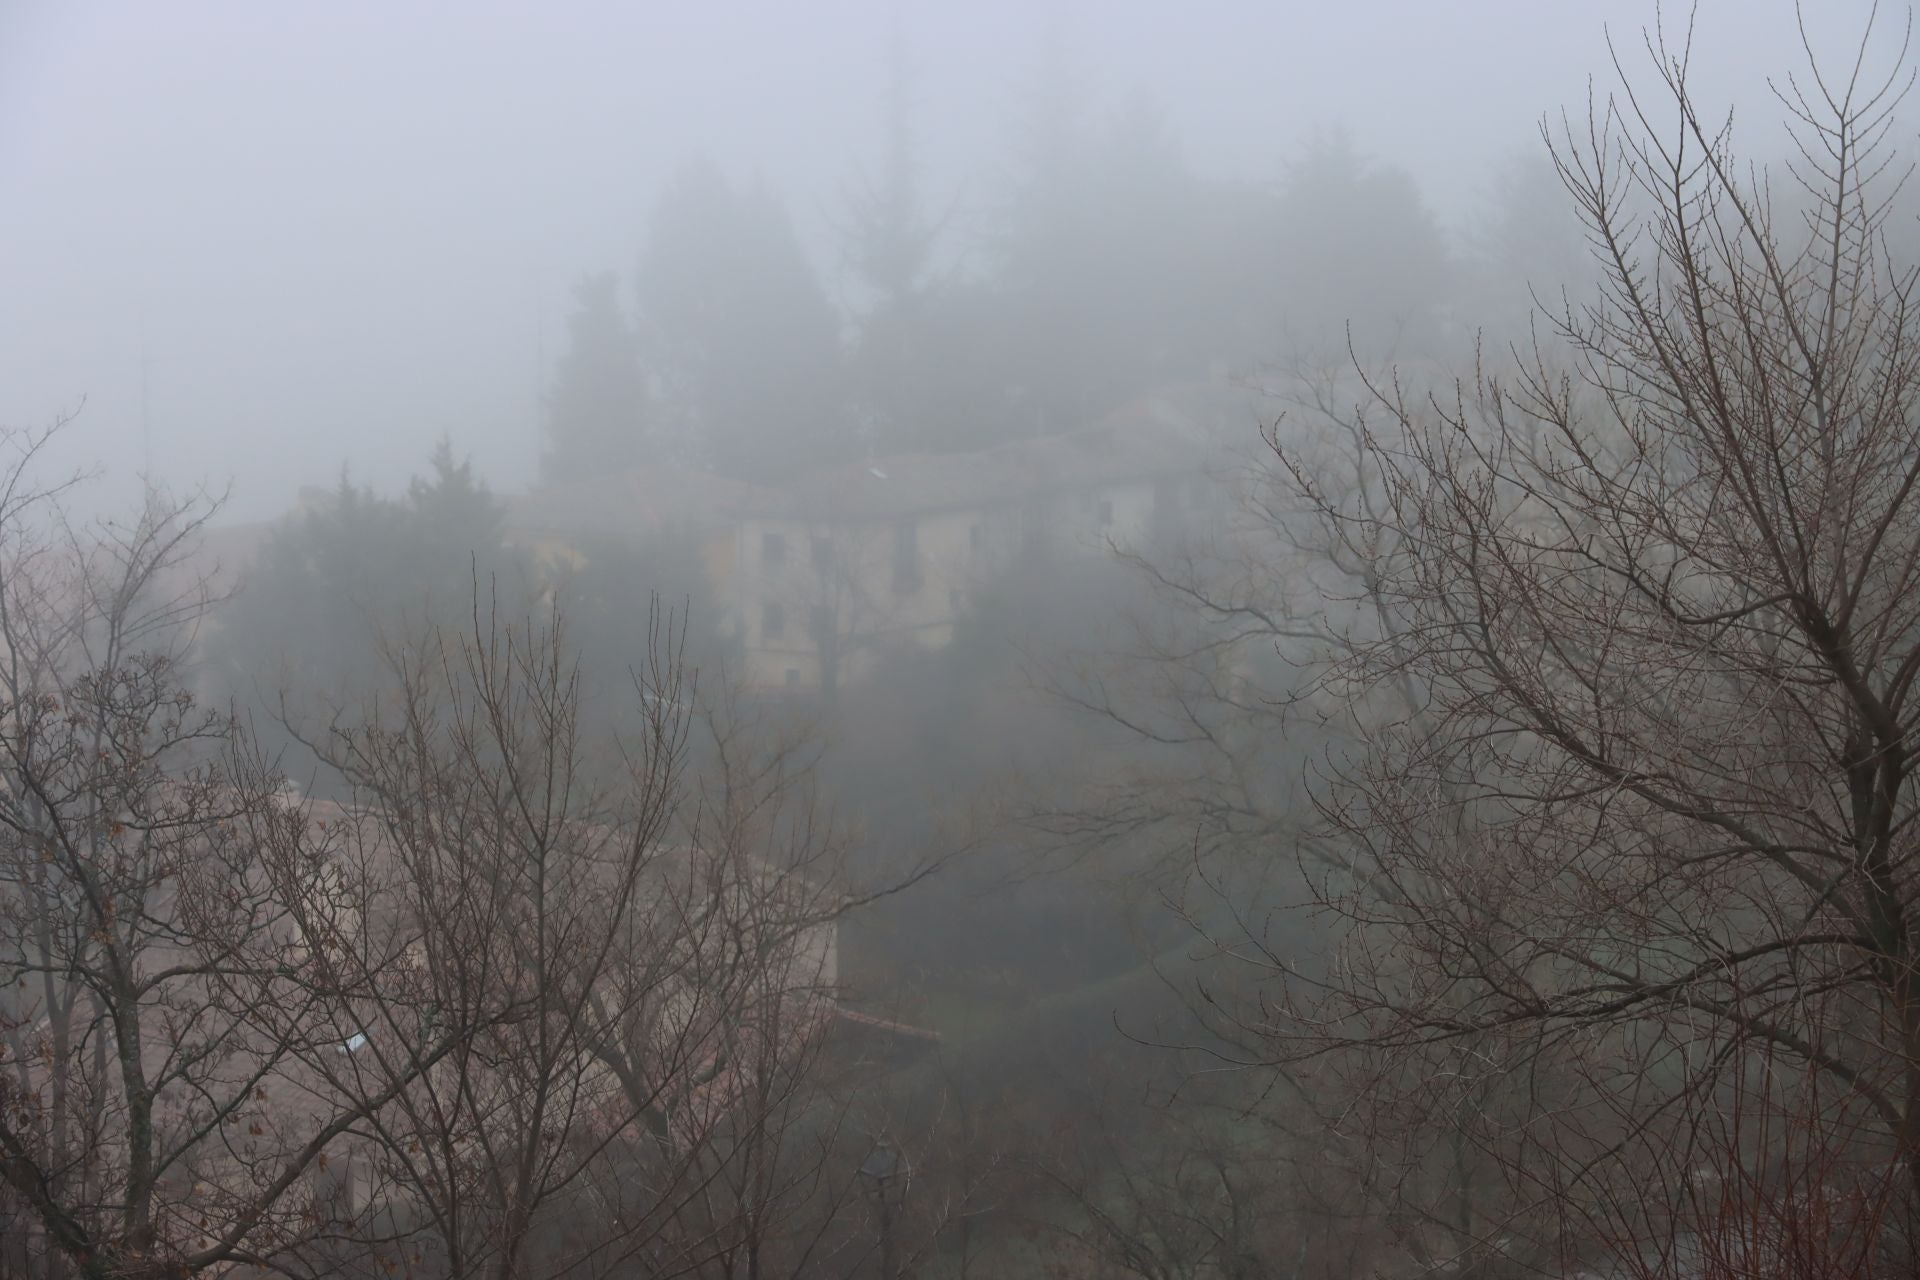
517	869
1652	607
521	1001
144	936
743	1139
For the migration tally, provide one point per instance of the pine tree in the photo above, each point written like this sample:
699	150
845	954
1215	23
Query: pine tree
902	361
597	406
888	238
1353	247
452	510
743	337
341	581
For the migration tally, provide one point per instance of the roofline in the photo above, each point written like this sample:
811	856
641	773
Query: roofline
891	1025
939	505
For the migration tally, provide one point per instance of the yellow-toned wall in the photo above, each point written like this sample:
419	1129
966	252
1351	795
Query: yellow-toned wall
954	561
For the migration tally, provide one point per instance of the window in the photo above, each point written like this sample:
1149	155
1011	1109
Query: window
773	620
906	558
953	603
822	625
773	548
822	553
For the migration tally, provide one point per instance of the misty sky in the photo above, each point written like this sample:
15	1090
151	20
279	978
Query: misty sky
335	227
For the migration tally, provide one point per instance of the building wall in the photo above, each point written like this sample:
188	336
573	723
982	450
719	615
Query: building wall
860	590
787	595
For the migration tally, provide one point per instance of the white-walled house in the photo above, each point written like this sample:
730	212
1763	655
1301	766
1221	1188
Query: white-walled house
847	562
813	577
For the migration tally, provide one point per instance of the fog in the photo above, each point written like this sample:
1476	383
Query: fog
265	241
871	640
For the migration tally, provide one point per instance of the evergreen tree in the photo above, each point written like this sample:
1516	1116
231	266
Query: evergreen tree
1112	272
913	393
340	581
305	613
452	513
597	406
1353	246
1152	304
1044	255
743	337
889	239
1526	245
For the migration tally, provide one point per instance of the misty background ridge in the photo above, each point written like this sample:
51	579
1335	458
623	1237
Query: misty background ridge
262	242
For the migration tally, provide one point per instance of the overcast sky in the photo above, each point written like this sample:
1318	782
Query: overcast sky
333	227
